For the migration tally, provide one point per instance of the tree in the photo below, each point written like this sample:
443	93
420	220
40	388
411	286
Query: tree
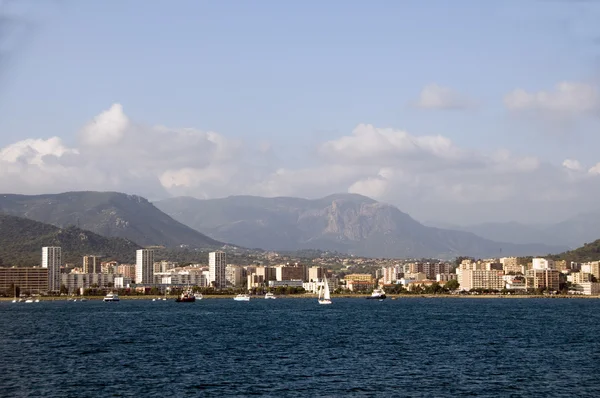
452	284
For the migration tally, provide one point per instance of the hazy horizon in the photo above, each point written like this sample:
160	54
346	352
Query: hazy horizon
456	113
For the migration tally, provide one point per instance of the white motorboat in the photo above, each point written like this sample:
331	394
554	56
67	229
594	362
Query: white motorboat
242	297
111	297
198	296
324	295
270	296
378	294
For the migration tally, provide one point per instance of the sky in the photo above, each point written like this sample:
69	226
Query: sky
455	112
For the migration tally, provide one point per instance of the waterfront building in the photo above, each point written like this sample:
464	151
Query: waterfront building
470	279
52	261
92	264
76	281
144	266
27	279
588	288
543	279
579	277
217	262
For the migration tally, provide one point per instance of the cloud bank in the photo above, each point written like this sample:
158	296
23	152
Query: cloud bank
426	175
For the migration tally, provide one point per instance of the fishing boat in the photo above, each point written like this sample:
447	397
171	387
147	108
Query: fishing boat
242	297
186	297
324	297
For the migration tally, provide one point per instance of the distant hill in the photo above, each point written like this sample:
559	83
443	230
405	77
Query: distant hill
587	252
110	214
573	232
21	242
347	223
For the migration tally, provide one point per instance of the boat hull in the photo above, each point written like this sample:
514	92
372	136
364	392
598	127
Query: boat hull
382	297
185	299
324	302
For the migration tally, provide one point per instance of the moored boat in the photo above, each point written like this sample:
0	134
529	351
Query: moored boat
242	297
378	294
186	297
270	295
111	297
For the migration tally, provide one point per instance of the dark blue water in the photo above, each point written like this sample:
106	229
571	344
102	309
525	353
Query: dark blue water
294	347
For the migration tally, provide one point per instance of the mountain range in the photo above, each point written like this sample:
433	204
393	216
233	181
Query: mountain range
22	241
573	232
347	223
110	214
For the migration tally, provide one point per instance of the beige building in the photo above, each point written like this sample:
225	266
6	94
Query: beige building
235	276
126	270
589	288
542	279
480	279
316	273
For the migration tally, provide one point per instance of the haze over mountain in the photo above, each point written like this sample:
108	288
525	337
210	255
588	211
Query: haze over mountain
572	232
22	239
348	223
109	214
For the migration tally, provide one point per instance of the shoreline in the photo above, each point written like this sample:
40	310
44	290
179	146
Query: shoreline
314	296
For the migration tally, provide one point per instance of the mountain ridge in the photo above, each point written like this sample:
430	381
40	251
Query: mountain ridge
111	214
349	223
22	240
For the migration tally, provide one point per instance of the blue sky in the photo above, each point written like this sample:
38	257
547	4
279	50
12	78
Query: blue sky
294	75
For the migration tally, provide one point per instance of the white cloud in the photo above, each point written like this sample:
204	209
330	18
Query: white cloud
434	96
425	175
108	128
567	98
572	165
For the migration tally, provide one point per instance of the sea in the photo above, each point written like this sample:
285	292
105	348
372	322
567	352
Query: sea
410	347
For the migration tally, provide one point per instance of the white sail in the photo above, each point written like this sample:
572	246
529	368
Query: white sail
320	292
326	289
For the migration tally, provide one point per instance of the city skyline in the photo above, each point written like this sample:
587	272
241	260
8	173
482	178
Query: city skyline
465	113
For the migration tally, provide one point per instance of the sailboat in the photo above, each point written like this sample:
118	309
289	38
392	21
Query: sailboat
324	297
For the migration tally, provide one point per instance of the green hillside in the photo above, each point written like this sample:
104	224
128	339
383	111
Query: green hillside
587	252
21	242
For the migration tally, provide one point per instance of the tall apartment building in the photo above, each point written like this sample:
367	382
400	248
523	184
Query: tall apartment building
235	275
52	260
126	270
480	279
287	273
217	263
592	267
542	279
92	264
144	266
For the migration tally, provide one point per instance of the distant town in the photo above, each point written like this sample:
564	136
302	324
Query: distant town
345	275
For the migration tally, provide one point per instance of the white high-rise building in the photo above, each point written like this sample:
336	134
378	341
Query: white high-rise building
144	266
217	262
52	259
